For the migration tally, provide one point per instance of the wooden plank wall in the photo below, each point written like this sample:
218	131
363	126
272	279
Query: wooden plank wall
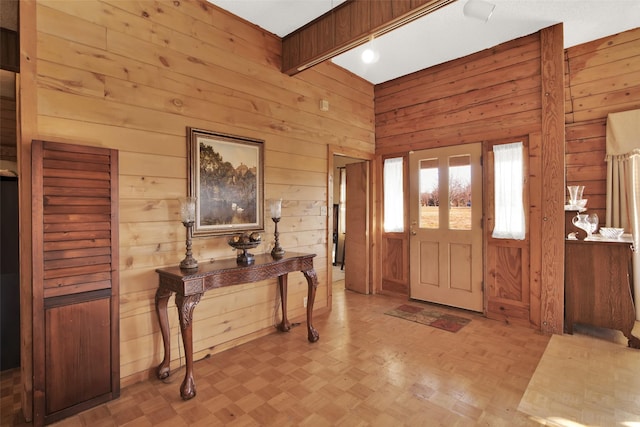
132	76
475	98
493	95
602	77
8	135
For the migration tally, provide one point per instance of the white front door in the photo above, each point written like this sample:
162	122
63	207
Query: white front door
446	226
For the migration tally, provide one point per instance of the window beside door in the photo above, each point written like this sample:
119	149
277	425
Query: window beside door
508	169
393	177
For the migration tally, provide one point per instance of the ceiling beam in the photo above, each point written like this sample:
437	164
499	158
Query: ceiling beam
346	26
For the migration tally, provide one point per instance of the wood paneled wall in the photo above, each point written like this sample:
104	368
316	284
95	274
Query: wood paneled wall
496	94
602	77
493	94
8	135
132	76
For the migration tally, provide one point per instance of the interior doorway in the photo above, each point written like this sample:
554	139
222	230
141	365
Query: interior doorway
339	215
341	254
9	262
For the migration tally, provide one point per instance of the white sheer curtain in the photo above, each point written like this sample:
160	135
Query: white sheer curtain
623	182
393	195
508	191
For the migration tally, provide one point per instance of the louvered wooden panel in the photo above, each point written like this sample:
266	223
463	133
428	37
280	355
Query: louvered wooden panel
76	194
75	277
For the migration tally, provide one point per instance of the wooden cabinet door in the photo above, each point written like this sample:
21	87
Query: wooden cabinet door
598	286
76	360
77	369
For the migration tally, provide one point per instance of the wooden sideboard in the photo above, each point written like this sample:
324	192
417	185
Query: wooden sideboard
569	214
598	280
190	285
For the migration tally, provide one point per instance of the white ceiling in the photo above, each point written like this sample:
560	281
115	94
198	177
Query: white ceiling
447	34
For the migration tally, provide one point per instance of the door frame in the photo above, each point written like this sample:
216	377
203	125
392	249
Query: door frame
387	284
336	150
505	299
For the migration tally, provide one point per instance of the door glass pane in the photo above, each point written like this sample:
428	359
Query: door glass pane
429	199
460	192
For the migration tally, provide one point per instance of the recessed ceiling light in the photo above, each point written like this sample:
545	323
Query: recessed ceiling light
368	56
478	9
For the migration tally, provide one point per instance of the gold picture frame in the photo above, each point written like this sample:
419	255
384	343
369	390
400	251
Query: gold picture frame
225	175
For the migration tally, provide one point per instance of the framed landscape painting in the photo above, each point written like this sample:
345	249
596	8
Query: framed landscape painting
225	174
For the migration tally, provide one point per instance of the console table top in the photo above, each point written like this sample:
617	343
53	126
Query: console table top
596	238
225	264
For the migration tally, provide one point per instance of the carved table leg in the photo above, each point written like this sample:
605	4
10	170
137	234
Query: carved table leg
162	299
633	341
284	326
312	282
186	304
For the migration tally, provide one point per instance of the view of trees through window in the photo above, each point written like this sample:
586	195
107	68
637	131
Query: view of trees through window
459	193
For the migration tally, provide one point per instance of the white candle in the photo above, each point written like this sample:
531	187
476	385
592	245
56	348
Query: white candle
188	209
276	208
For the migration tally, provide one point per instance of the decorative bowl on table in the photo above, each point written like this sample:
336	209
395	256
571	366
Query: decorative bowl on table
244	242
611	233
576	204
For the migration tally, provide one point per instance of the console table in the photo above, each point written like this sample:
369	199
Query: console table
598	281
190	285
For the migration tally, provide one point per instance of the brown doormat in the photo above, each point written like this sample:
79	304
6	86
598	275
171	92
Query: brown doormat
429	316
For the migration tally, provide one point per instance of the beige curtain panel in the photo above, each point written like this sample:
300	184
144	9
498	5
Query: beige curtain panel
623	182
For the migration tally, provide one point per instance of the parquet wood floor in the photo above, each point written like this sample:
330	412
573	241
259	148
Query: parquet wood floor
599	386
368	369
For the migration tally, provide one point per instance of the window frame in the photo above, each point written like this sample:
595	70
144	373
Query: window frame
489	187
405	189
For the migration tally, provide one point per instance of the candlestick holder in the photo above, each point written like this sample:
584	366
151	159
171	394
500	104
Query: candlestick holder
276	210
277	252
188	216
